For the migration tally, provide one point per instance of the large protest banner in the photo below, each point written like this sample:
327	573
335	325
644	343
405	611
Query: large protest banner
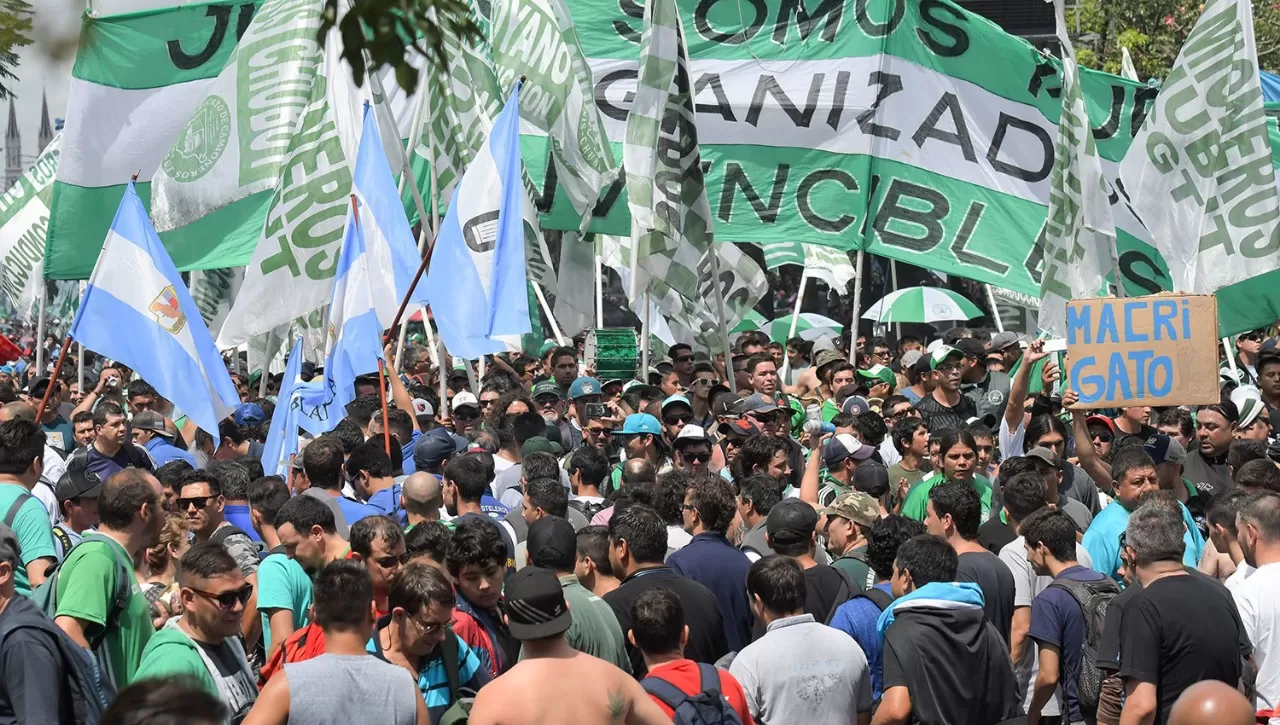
24	222
1156	350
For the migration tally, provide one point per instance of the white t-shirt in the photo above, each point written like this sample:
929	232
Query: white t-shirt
888	453
1258	599
1026	585
1243	571
1011	441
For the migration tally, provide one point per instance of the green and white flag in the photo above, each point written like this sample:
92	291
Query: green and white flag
1127	69
670	217
537	39
1079	233
1199	173
778	254
829	265
214	290
24	222
138	79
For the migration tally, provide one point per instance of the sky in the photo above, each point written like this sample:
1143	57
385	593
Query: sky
37	71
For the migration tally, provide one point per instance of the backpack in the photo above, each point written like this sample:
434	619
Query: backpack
91	692
708	707
589	509
878	597
460	707
12	513
305	643
1093	597
45	596
848	590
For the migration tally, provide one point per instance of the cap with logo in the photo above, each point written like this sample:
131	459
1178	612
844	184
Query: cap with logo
546	387
791	521
676	400
1001	341
1164	448
878	372
78	482
640	424
691	434
248	414
844	445
856	506
855	405
910	358
534	603
1103	421
463	399
942	354
152	421
759	403
584	386
740	428
422	407
1248	400
727	406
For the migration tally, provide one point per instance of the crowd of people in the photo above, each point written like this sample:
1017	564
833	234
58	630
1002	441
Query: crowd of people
906	533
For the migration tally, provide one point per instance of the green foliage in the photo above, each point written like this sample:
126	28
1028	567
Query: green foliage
1154	31
15	30
379	33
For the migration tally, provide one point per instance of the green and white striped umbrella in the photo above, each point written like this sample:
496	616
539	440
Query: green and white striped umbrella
751	321
810	326
922	304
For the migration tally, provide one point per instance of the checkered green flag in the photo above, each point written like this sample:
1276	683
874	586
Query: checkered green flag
777	254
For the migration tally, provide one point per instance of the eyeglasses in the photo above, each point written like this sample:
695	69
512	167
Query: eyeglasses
699	457
684	359
688	507
676	419
227	600
387	562
198	501
1102	435
427	629
950	369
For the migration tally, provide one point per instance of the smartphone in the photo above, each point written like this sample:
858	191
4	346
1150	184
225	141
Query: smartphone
596	411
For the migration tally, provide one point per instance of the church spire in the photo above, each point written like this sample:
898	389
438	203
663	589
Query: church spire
46	128
12	149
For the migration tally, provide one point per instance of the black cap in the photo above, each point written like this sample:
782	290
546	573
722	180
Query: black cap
39	387
535	604
552	532
871	478
791	521
971	348
78	482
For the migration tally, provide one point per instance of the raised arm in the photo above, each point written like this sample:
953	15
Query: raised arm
1020	385
1092	464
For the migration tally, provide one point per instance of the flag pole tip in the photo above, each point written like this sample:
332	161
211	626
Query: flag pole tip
134	175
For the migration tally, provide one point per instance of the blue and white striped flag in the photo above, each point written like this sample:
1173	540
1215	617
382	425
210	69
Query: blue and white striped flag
282	437
354	343
477	283
137	310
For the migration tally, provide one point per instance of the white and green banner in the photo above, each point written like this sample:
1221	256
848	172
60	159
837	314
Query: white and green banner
24	224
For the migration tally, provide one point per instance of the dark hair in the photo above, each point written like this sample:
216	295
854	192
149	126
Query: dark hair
1262	509
758	451
233	479
347	433
205	560
127	491
322	462
370	528
400	423
106	409
1023	494
1243	450
591	463
267	495
1224	510
1054	529
417	586
593	544
478	542
1127	459
657	621
1181	417
86	416
779	583
430	538
549	495
205	476
960	501
883	541
754	337
539	465
21	444
303	513
978	429
252	467
1226	409
1260	475
952	437
671	488
871	428
177	700
644	531
714	502
757	360
844	420
343	591
371	458
673	351
563	351
1040	426
928	558
467	473
360	411
761	491
904	430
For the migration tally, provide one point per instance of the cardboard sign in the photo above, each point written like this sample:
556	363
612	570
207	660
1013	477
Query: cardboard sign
1158	350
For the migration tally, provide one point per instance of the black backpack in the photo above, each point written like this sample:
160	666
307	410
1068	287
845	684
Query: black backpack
1093	597
589	510
708	707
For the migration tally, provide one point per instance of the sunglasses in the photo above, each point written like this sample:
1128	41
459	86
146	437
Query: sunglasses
676	419
466	413
198	501
387	562
684	359
487	403
546	401
700	382
600	431
700	457
227	600
1102	435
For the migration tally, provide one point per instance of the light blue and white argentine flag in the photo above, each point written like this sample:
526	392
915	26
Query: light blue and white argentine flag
282	437
393	255
477	283
354	343
136	310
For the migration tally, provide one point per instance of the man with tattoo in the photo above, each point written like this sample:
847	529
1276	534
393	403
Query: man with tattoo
538	617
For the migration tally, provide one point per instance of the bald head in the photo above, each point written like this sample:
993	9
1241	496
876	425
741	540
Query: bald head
17	411
638	470
1211	701
422	494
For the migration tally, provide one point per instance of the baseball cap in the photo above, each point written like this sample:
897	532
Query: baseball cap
872	479
535	604
910	358
584	386
422	407
78	482
791	521
639	386
825	357
1248	400
640	424
676	400
691	434
759	403
463	399
1102	420
1002	340
546	387
844	445
971	347
878	372
1164	449
248	414
855	405
551	532
152	421
540	444
728	406
740	428
1043	454
39	387
432	448
858	507
940	355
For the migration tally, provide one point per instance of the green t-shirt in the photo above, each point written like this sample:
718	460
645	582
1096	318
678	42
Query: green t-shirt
283	584
857	569
86	591
829	410
916	504
34	532
171	653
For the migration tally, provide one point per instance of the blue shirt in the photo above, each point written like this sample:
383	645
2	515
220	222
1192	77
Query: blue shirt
433	681
387	501
713	562
493	508
1056	620
353	511
1102	540
238	516
857	618
406	452
162	451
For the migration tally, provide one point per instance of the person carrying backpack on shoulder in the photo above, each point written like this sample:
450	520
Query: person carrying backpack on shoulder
1066	618
691	693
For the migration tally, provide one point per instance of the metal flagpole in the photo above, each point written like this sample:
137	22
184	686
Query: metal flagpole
644	336
795	322
995	311
599	291
893	277
44	294
546	310
724	328
1231	356
80	350
857	304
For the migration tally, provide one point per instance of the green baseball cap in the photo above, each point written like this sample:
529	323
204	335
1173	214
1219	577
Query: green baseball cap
878	372
941	355
546	387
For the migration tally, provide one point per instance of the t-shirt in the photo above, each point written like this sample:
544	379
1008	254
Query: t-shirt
701	613
129	456
239	516
1258	599
855	565
283	584
825	589
32	677
1103	539
63	533
940	417
995	534
915	505
897	473
340	524
857	618
232	679
996	582
801	671
31	527
433	679
241	548
1180	630
686	676
1209	475
1057	620
59	434
87	589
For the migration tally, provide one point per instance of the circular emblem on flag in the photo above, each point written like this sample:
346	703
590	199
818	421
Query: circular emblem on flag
941	309
201	142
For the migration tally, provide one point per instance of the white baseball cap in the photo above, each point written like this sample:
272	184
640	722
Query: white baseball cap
464	398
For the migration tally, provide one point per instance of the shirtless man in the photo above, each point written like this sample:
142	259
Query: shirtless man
538	617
